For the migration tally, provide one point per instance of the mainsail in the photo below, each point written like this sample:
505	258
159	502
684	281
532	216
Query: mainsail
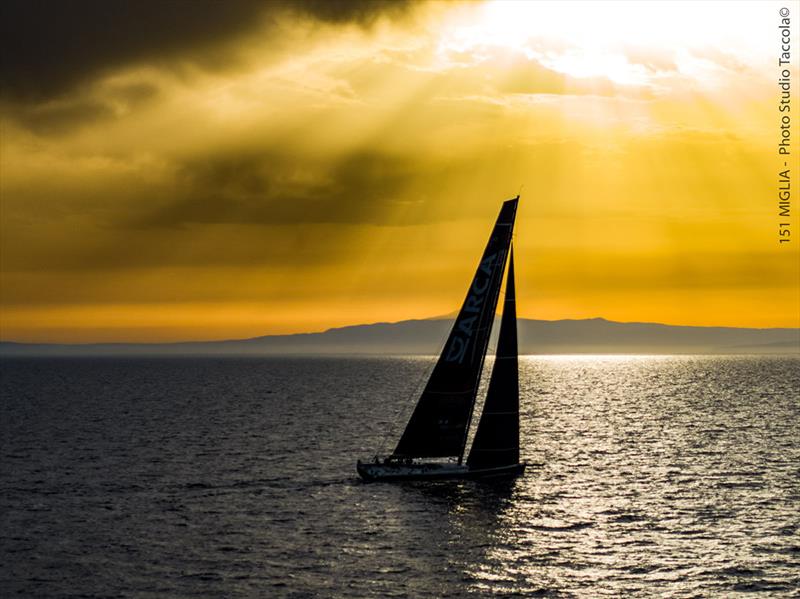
438	426
496	441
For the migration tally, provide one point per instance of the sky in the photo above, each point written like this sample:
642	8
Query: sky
197	170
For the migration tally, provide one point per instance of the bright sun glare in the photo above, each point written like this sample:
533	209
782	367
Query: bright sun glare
589	39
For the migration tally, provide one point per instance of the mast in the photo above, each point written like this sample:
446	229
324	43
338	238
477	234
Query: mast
439	423
496	441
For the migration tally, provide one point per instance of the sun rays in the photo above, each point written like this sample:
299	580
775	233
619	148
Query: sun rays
319	171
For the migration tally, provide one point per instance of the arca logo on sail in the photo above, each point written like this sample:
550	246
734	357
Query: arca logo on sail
470	313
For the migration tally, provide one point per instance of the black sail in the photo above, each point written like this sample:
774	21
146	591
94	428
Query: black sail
438	426
496	441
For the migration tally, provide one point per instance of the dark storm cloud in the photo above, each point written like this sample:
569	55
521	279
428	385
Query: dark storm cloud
66	114
53	119
273	188
342	11
47	48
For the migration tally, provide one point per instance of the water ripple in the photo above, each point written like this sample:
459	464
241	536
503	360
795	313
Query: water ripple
667	476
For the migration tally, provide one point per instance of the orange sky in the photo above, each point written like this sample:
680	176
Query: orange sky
303	165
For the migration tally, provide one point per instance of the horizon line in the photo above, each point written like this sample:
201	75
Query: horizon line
382	322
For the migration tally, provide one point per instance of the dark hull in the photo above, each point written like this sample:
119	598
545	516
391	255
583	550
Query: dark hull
397	472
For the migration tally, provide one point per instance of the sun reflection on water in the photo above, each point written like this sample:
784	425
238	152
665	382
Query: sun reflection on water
650	469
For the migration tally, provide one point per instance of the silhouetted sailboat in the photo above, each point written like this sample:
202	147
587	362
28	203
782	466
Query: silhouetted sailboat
435	438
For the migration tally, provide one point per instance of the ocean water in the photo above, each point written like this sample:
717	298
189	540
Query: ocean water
234	477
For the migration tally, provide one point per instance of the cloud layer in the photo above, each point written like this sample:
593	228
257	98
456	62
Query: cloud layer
348	157
49	48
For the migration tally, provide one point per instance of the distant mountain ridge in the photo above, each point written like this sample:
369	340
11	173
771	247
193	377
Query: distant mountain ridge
589	336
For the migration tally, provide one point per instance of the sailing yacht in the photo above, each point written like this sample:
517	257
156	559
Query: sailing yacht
434	442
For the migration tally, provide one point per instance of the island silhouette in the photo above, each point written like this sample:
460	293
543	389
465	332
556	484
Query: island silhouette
425	337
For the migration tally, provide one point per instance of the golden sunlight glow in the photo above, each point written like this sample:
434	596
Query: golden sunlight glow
309	172
589	38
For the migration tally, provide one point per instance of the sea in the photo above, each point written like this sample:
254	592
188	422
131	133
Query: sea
651	476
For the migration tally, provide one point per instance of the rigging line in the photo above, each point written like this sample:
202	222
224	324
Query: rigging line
492	348
412	397
485	375
391	432
505	254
